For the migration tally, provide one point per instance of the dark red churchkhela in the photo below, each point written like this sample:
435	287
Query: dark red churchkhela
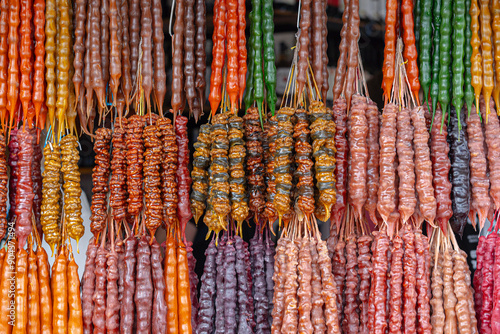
183	177
144	287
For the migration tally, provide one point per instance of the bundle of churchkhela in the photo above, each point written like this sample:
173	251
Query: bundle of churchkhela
61	166
29	58
231	265
410	170
125	284
349	244
283	149
118	58
351	252
486	275
35	59
52	197
40	300
413	179
226	187
34	86
400	24
188	53
402	123
229	286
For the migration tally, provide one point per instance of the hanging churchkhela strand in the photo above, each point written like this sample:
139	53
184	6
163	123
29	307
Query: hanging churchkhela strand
125	259
126	284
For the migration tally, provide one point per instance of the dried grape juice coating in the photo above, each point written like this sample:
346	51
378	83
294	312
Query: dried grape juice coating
460	171
358	154
441	167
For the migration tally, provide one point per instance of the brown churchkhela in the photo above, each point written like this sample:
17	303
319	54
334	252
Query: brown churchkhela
406	166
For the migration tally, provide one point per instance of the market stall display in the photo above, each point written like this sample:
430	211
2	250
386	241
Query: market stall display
394	185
